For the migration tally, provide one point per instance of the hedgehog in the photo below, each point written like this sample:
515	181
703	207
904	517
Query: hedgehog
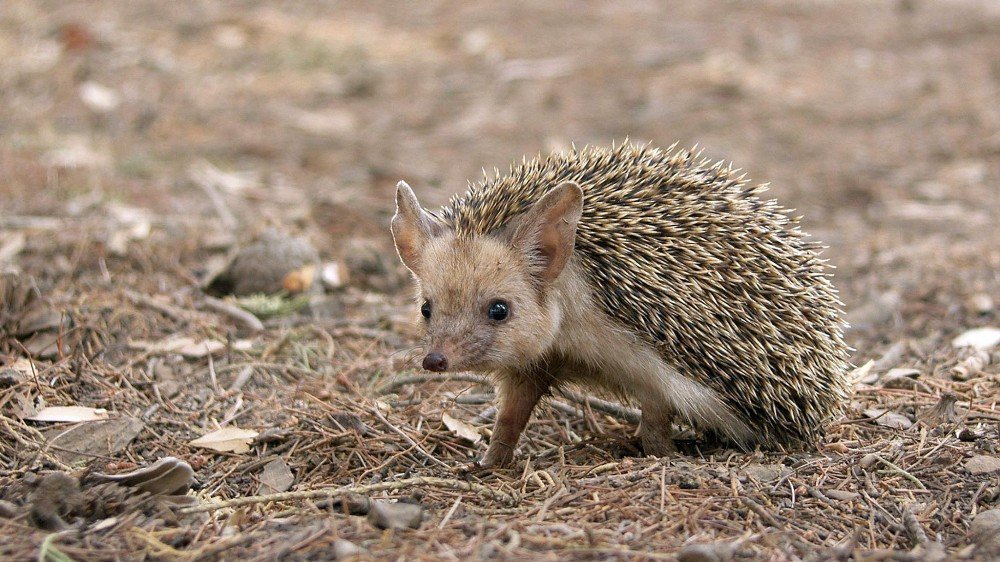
656	276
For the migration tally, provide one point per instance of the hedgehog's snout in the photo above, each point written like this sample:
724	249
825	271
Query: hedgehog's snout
436	361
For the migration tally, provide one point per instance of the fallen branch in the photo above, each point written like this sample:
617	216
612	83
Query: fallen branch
434	482
234	312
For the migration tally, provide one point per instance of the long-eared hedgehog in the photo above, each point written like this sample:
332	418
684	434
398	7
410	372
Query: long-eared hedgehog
654	275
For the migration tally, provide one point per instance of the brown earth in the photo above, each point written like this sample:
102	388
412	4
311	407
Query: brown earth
141	141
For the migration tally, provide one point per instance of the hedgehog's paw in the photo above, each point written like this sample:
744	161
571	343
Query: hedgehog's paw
657	439
498	455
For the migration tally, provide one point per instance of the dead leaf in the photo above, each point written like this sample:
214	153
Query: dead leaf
460	428
899	378
886	418
276	477
187	346
979	338
85	440
226	439
982	464
12	246
70	414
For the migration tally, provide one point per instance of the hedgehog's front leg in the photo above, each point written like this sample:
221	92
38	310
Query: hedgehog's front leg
518	397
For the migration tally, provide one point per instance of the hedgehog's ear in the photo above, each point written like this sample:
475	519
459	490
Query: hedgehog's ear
547	231
412	227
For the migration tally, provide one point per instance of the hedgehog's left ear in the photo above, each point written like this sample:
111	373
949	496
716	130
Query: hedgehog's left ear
412	227
547	231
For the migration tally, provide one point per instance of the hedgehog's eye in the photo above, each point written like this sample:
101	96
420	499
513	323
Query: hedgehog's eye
425	309
498	310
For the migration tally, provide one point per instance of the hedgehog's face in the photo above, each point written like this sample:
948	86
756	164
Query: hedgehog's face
484	299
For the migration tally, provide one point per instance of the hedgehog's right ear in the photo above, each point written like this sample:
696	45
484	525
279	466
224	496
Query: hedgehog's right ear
546	233
412	227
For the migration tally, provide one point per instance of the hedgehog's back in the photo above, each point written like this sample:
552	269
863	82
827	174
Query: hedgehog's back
685	254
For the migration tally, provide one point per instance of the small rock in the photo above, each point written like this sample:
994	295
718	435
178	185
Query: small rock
262	267
980	303
985	529
982	464
886	418
98	98
7	510
385	515
345	549
276	477
765	473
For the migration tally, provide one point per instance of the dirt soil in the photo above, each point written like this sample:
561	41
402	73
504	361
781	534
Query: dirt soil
142	142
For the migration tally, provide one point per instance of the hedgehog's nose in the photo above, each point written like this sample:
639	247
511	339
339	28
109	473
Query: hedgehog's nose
436	361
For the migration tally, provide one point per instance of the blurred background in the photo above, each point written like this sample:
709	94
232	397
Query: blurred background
188	127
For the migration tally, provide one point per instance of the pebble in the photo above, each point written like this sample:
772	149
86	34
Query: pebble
385	515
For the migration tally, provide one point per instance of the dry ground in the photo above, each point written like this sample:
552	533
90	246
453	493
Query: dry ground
140	141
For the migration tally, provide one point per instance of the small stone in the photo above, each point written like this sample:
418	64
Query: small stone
276	477
345	549
985	529
99	98
263	266
7	510
385	515
980	303
982	464
765	473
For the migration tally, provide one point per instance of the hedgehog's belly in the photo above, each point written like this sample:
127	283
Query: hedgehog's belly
619	361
